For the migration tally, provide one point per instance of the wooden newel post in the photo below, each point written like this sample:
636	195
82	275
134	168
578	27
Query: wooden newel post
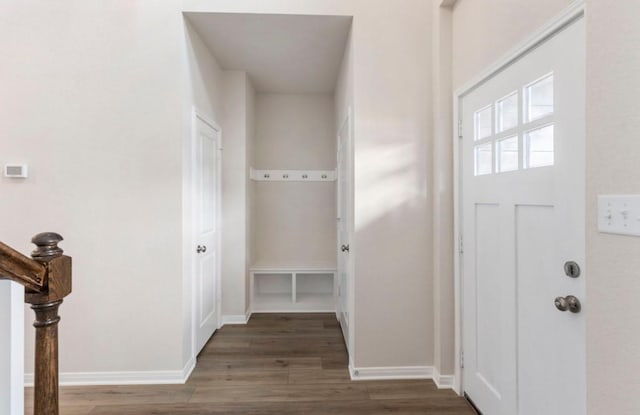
45	303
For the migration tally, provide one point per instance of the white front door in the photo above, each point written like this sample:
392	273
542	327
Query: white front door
206	213
345	227
523	217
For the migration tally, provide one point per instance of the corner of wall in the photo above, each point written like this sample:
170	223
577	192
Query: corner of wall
442	171
250	185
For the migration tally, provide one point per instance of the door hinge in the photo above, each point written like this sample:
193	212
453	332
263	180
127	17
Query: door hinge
461	359
460	244
460	128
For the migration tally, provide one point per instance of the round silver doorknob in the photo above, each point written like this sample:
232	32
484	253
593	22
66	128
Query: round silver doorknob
574	304
344	248
561	303
569	302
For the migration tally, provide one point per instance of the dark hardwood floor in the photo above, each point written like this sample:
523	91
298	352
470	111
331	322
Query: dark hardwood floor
278	364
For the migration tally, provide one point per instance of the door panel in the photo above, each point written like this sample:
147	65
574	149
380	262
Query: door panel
207	186
488	312
207	290
522	206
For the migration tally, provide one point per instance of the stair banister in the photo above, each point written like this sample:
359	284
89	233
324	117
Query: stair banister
46	277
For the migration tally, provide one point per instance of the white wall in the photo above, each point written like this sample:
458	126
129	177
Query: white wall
95	109
97	91
234	194
483	31
392	100
343	94
250	129
613	151
442	168
295	222
204	92
393	245
227	97
98	111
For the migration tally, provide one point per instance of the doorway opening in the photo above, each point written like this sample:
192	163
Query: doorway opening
279	86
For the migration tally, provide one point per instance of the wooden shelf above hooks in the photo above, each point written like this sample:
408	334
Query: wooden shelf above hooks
293	175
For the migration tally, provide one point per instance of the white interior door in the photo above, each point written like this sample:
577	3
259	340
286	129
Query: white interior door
345	227
522	206
206	220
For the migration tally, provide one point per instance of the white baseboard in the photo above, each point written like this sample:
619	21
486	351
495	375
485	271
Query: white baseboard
390	373
152	377
188	369
402	372
236	318
443	381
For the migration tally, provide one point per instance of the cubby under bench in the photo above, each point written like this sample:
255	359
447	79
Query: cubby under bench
293	289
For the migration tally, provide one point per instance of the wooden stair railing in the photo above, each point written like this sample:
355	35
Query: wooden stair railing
46	277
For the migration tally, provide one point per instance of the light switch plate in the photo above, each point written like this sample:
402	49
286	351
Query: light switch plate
619	214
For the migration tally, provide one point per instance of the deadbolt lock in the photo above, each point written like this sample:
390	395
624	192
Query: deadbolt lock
572	269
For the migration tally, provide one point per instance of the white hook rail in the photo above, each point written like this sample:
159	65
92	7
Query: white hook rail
293	175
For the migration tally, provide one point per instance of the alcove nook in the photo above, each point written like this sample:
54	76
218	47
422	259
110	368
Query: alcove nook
285	88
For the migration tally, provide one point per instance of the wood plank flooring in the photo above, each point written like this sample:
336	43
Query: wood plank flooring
278	364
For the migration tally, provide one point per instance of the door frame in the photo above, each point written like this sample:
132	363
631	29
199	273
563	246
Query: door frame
572	13
191	241
348	121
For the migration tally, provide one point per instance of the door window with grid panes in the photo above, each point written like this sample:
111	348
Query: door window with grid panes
516	131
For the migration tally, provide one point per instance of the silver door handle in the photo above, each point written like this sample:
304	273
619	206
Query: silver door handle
344	248
201	249
569	302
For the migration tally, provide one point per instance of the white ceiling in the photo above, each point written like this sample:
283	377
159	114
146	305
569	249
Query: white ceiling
281	53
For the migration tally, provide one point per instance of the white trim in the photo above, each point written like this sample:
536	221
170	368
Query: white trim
188	369
575	11
391	372
400	373
295	310
291	269
443	381
448	3
152	377
236	318
457	234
